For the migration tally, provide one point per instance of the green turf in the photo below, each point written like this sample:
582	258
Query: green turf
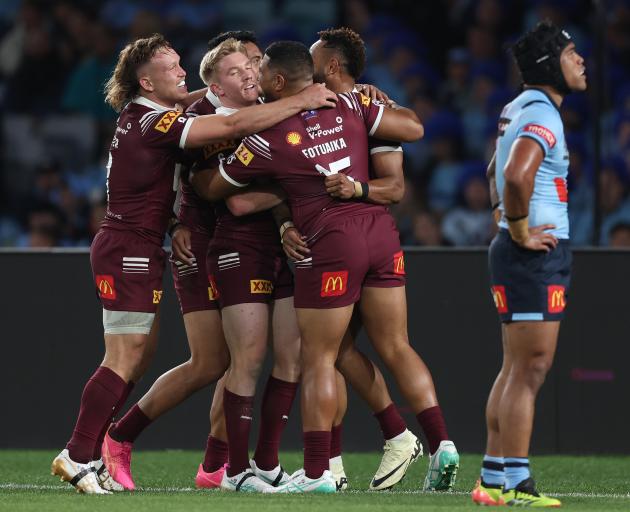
584	483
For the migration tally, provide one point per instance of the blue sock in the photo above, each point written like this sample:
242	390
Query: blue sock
516	470
492	471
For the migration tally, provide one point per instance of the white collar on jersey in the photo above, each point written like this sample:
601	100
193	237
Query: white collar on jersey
141	100
226	111
213	99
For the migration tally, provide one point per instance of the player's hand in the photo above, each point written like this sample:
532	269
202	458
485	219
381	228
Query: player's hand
294	244
339	185
181	245
316	96
373	92
539	240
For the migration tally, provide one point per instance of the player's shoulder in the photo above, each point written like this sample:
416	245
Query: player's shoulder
201	107
154	119
354	100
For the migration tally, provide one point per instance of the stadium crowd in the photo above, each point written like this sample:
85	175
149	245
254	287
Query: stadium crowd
56	55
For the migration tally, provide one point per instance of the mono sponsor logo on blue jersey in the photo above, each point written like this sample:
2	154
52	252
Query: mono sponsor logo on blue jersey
533	115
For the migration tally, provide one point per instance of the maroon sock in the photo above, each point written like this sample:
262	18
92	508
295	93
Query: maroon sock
216	454
100	396
274	414
238	421
432	422
119	405
335	440
316	453
130	426
391	422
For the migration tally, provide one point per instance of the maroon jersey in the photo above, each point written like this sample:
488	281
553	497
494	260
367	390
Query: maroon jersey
143	168
301	150
194	212
258	227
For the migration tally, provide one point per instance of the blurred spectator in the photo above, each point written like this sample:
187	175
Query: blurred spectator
445	60
471	222
613	183
619	235
426	230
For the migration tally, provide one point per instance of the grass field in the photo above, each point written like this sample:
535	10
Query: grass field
166	483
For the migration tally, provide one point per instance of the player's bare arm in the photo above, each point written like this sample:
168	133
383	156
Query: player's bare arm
207	129
491	173
210	185
293	243
399	124
387	188
525	158
255	199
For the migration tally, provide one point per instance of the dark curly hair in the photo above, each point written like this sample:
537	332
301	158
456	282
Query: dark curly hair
349	45
244	36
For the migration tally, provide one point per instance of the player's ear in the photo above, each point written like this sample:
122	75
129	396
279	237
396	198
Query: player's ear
279	82
146	84
216	90
333	66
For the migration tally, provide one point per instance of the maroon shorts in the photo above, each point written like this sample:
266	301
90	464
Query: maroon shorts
127	271
362	250
245	272
194	290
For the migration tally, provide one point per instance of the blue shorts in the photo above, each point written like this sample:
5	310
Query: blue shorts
528	285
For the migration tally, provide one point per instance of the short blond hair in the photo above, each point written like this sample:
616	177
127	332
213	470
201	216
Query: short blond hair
210	61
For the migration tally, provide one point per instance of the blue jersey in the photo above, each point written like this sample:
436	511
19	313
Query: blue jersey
533	114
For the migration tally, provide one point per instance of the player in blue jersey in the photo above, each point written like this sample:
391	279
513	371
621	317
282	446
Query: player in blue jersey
529	266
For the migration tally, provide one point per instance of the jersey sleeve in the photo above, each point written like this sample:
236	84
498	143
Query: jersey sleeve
363	106
166	129
383	146
252	159
542	124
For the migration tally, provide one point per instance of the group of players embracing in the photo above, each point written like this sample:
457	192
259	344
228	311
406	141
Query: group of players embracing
283	155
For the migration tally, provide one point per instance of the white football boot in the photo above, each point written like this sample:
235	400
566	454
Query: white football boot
81	476
398	455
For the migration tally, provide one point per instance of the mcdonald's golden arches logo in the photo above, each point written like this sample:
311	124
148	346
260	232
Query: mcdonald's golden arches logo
334	283
399	263
500	299
213	291
105	286
556	299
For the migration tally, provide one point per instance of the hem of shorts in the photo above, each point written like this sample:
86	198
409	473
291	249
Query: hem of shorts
283	296
200	308
127	330
262	300
544	319
131	309
390	284
297	305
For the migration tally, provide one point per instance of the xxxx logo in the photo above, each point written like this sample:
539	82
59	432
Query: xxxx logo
167	120
157	296
260	286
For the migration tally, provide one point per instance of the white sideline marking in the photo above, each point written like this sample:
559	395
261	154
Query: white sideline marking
36	487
